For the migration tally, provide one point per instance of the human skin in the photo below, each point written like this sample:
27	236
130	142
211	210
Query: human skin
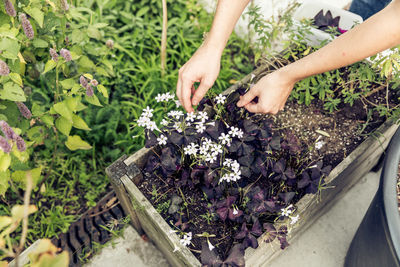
379	32
376	34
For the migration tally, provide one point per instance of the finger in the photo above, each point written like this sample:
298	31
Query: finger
253	108
193	89
201	91
186	91
247	98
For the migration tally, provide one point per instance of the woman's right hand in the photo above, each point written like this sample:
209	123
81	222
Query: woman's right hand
203	67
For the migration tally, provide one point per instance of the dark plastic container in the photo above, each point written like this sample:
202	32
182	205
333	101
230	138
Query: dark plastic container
377	241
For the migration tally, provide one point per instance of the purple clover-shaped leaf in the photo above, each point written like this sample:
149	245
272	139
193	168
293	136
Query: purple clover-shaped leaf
249	236
270	231
151	139
235	257
283	172
209	257
287	197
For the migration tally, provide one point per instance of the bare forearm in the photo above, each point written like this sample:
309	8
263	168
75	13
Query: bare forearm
226	16
376	34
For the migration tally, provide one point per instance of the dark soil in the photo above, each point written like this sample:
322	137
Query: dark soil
340	133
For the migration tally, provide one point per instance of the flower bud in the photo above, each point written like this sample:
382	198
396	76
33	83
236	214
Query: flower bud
83	81
110	43
4	70
24	110
8	131
20	144
94	82
64	5
26	25
66	54
4	145
8	6
53	54
89	90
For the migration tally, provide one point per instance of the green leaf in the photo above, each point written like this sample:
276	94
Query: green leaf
5	221
36	134
68	83
77	36
86	63
101	71
15	77
51	64
4	185
39	43
5	161
48	119
63	125
79	123
13	92
72	103
63	109
18	211
93	100
75	142
36	14
11	46
20	176
93	32
102	90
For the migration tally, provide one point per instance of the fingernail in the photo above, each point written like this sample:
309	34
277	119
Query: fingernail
195	103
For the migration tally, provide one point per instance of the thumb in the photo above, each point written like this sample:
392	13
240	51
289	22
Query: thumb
201	91
246	99
253	108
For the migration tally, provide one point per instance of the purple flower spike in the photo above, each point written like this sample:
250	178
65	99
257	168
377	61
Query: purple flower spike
24	110
4	70
66	54
8	6
89	90
26	25
8	131
110	43
21	144
64	5
53	54
4	145
94	82
83	81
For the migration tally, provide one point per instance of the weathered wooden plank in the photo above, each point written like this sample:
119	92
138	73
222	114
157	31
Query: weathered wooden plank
23	257
158	230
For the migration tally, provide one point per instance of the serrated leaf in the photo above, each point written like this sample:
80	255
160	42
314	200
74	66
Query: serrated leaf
39	43
4	221
88	75
63	109
11	91
93	32
72	103
79	123
51	64
4	185
101	71
68	83
93	100
11	46
15	77
18	211
63	125
75	142
36	14
102	90
48	119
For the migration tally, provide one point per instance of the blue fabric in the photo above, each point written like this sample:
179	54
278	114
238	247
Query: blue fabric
367	8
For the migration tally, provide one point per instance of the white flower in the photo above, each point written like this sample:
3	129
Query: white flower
175	113
235	211
162	140
190	117
240	134
191	149
177	127
210	246
169	96
235	132
202	116
235	166
143	121
210	158
200	128
220	99
186	239
227	162
286	212
217	149
319	144
160	98
203	149
151	125
164	122
147	112
294	219
177	103
225	139
207	142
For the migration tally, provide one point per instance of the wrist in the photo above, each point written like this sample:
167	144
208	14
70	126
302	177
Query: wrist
214	45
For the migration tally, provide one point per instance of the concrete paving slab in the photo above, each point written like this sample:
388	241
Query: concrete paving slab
129	251
326	242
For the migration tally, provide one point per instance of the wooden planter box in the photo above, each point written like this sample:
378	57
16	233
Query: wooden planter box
125	173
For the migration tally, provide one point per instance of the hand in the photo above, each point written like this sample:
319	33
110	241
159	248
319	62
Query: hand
272	92
202	67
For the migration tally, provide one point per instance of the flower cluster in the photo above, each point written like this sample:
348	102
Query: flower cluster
88	86
64	5
232	171
26	25
209	151
24	110
66	54
53	54
145	120
4	70
187	238
8	6
164	97
10	135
